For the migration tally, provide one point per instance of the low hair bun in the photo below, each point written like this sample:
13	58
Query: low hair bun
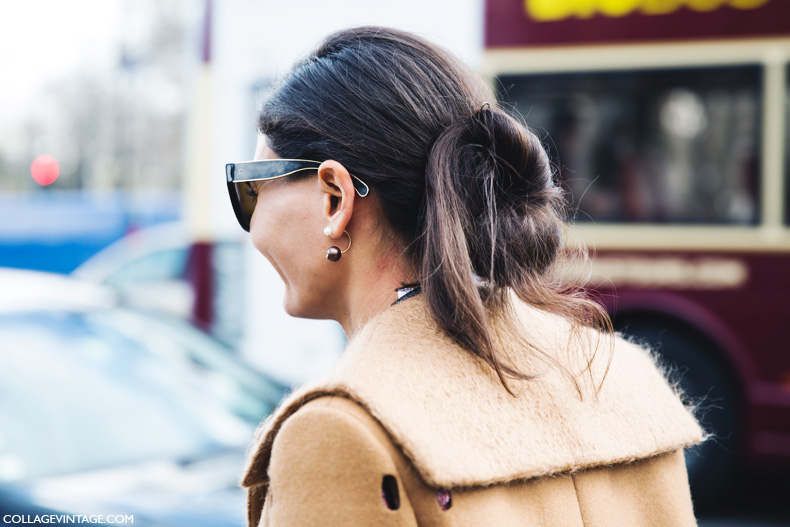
495	176
523	171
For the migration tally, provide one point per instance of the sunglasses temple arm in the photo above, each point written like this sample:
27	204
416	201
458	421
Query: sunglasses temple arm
365	190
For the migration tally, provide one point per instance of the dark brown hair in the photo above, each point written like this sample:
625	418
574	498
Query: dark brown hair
468	188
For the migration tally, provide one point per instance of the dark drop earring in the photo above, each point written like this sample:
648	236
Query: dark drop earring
334	253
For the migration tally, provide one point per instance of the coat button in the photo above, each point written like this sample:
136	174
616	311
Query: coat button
389	492
444	498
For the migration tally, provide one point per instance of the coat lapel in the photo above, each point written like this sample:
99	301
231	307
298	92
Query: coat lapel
452	418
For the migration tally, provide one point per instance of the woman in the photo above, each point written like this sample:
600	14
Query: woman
477	388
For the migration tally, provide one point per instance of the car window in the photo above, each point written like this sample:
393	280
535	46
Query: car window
162	265
76	396
222	375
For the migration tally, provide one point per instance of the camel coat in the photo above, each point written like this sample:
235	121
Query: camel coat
411	430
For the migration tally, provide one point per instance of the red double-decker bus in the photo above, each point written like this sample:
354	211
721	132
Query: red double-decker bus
668	121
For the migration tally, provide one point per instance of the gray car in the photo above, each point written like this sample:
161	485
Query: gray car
109	411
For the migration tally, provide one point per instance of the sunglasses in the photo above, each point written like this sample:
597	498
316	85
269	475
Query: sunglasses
240	175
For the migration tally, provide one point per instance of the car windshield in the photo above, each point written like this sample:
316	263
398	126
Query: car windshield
241	389
81	391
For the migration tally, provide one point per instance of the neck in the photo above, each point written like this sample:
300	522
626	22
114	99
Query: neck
374	290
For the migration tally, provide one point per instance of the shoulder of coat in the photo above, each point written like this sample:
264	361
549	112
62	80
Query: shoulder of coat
300	416
350	410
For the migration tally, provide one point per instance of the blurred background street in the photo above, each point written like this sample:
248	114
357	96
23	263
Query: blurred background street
142	337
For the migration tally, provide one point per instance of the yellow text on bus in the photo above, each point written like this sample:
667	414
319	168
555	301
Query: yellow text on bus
552	10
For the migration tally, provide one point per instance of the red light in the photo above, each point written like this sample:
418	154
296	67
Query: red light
45	169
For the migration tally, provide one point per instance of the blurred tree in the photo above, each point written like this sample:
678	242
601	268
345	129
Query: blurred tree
120	127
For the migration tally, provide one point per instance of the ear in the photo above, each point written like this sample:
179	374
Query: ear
337	195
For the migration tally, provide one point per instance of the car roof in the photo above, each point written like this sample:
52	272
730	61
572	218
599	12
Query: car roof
26	290
164	236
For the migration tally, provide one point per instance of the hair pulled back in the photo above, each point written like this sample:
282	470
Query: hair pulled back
466	187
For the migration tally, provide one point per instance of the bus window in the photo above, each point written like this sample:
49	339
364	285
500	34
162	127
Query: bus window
650	146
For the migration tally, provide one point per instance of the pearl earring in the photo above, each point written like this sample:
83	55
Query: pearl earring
334	253
328	230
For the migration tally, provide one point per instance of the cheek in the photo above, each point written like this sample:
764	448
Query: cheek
284	230
274	241
298	259
260	233
260	243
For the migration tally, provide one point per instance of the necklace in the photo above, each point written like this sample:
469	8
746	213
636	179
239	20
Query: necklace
407	291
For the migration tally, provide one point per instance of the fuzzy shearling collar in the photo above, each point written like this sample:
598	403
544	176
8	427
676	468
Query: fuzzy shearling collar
450	415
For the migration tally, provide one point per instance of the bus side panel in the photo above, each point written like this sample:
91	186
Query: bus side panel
739	302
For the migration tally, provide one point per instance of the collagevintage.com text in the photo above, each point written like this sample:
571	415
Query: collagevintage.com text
55	519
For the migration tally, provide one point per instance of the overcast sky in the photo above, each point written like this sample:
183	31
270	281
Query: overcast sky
43	40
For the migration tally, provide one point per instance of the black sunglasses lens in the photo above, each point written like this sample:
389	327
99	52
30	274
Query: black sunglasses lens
243	198
247	199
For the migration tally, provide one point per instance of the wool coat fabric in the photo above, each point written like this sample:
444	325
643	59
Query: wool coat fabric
409	429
